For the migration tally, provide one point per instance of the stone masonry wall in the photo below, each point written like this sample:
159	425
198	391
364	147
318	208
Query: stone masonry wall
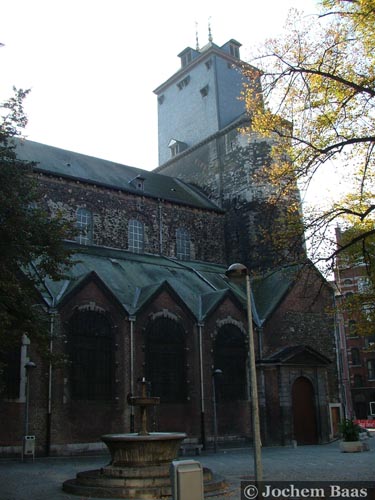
229	168
304	318
113	209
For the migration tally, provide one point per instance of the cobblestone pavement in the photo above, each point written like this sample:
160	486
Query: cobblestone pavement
42	479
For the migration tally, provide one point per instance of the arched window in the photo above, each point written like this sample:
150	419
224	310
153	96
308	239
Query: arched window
230	355
135	236
165	360
84	226
356	360
182	244
91	356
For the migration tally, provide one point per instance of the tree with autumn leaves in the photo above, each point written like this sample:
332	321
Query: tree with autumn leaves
317	106
317	109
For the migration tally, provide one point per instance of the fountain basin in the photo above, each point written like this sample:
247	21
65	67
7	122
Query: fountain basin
139	469
137	450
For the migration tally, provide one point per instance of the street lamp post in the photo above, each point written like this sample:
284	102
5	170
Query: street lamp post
30	365
239	272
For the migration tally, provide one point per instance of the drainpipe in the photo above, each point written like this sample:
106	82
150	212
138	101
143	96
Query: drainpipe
319	416
52	312
201	382
132	322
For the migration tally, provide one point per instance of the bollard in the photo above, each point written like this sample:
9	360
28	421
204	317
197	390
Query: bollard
187	480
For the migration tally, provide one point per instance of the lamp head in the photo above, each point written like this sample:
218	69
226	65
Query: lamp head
237	272
30	365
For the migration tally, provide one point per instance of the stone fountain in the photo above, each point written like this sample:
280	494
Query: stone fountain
140	463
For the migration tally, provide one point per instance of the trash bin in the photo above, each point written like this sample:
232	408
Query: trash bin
187	480
28	448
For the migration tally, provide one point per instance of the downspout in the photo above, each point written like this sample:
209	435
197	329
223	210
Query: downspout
52	312
319	415
132	322
339	366
260	342
201	382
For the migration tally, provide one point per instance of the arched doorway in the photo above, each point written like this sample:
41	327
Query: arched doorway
304	415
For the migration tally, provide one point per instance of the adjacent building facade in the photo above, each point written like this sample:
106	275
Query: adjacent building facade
359	352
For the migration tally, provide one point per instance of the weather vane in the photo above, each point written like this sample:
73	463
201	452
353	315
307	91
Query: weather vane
196	36
209	30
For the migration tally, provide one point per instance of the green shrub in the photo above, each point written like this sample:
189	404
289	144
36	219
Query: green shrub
349	430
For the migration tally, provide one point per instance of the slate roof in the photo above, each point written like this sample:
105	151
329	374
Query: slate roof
271	289
70	165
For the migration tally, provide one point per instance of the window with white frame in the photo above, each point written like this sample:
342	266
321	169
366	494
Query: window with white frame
182	244
135	236
84	226
371	369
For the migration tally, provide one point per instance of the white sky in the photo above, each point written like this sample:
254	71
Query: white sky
92	65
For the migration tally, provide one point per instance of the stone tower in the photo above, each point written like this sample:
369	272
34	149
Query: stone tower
200	121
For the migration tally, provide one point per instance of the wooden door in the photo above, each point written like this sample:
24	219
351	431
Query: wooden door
304	414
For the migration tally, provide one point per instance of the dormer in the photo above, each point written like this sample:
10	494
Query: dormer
176	147
187	55
233	48
138	182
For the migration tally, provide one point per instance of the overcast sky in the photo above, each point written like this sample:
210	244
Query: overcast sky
92	65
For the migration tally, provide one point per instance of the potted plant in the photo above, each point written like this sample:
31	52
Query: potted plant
350	436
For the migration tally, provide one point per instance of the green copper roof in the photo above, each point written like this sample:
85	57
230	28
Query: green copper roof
271	289
63	163
134	279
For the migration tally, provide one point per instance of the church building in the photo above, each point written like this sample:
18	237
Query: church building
148	296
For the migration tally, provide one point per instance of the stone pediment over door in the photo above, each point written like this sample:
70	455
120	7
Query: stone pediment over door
298	355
